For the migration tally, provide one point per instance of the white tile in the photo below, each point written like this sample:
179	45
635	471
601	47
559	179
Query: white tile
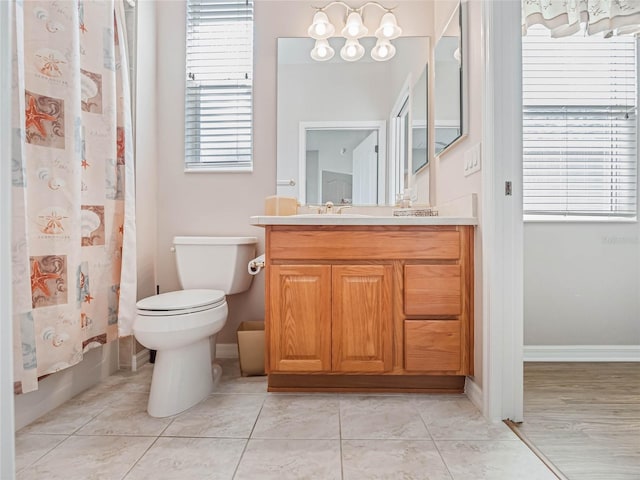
456	418
31	447
392	460
290	460
299	416
227	416
88	458
126	380
65	419
380	417
232	382
189	458
127	417
492	460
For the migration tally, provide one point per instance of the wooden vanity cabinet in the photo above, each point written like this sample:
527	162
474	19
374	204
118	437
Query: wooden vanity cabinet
369	308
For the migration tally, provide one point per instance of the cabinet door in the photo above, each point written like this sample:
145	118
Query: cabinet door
362	326
432	289
433	346
300	318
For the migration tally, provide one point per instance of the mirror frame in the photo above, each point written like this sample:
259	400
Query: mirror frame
461	14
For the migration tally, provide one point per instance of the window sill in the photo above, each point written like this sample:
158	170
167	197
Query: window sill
210	169
575	219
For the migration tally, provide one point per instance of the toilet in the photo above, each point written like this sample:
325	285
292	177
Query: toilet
181	325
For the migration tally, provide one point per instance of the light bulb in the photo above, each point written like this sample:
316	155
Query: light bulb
388	28
351	51
383	51
321	29
322	51
354	28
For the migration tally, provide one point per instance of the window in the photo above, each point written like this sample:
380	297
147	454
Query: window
580	102
219	68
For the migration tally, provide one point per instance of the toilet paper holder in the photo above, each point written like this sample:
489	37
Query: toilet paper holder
256	265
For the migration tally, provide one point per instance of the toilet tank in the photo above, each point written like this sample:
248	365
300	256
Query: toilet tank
218	263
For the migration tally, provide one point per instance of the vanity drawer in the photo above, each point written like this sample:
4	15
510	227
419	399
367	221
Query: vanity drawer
369	243
432	345
432	289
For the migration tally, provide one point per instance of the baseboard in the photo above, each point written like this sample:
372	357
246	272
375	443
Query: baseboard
227	350
582	353
474	393
139	359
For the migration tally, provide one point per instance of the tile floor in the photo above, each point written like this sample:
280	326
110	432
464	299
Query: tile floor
242	432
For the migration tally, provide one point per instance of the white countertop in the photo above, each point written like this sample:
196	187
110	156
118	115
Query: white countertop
348	220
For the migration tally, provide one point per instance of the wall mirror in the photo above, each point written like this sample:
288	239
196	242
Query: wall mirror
448	95
334	120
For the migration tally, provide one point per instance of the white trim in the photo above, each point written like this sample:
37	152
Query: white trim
7	452
474	393
582	353
139	359
379	125
227	350
395	169
502	226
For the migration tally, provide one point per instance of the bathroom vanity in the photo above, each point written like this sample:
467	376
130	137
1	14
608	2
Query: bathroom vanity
368	303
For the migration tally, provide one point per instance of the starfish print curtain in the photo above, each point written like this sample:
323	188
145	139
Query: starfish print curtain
73	254
564	17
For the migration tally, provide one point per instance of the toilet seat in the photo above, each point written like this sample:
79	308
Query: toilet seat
181	302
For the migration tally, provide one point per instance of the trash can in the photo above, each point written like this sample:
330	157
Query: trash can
251	348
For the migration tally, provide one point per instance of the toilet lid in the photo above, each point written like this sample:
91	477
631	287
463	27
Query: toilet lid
181	300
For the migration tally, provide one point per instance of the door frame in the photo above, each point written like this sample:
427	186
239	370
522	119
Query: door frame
502	226
379	125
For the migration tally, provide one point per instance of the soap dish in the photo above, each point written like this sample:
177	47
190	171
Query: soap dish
415	212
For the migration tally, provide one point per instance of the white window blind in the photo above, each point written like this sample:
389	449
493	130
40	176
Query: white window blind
580	102
218	104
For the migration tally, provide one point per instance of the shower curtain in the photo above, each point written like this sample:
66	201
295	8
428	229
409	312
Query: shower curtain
73	251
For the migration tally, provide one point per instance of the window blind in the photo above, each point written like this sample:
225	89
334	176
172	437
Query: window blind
219	85
580	102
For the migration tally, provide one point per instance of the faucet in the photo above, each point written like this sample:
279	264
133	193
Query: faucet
329	208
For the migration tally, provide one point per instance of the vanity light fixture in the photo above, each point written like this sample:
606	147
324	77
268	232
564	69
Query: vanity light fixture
321	29
322	51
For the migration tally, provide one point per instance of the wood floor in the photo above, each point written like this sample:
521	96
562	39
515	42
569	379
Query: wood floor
585	417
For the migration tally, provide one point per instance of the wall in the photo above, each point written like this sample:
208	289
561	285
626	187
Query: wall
147	111
221	203
582	284
447	181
